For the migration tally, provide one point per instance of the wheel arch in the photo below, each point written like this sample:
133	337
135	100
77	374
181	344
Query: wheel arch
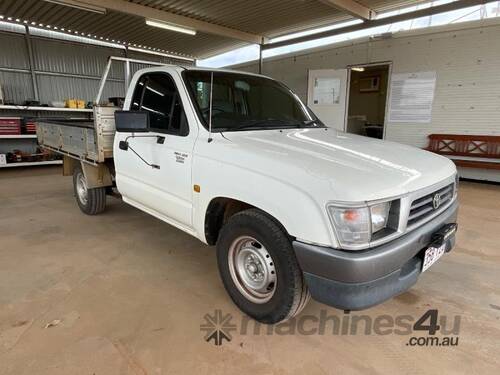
220	209
96	175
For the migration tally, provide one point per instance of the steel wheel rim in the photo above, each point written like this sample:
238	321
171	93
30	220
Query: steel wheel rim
252	269
81	189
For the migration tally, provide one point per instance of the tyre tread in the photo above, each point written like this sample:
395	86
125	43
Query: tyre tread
96	198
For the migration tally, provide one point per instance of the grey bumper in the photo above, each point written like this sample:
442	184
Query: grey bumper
354	280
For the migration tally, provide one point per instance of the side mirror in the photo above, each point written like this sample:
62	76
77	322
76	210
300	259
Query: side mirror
132	121
123	145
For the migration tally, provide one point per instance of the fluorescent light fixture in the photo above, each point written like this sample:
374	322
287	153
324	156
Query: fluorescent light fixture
358	69
171	27
78	5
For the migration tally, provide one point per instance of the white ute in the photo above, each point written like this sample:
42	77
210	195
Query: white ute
294	208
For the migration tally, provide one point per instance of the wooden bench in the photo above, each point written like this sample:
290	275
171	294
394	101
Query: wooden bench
468	151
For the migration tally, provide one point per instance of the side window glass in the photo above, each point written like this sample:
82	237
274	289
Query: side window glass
137	97
157	94
157	99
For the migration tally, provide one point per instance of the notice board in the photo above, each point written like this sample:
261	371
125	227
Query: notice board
412	95
326	91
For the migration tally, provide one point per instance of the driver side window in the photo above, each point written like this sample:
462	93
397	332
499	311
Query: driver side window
156	93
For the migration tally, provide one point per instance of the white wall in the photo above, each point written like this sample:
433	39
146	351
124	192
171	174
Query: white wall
466	58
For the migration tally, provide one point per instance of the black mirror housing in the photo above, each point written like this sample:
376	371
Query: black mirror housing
132	121
123	145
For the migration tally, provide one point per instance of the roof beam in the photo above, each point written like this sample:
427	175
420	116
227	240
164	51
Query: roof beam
134	9
352	7
459	4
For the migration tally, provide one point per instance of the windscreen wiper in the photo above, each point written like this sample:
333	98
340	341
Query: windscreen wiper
271	123
259	124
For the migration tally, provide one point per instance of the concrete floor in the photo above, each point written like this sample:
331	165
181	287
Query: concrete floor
127	294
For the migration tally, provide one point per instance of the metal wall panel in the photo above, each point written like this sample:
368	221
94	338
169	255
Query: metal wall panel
13	51
83	62
17	87
74	58
54	88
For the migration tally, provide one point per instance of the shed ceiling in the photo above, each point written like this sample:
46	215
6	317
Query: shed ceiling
221	24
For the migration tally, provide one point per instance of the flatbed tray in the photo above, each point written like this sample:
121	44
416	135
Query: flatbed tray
79	123
87	140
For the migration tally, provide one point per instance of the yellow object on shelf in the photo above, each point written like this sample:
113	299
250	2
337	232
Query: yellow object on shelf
70	103
74	103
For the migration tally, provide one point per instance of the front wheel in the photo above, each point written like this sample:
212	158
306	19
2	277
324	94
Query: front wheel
259	269
90	201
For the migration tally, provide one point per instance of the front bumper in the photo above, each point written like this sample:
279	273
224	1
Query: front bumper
355	280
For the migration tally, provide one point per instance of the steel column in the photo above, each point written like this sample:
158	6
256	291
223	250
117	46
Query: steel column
29	47
261	62
127	74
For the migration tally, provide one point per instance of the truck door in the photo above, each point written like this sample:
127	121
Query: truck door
326	96
165	192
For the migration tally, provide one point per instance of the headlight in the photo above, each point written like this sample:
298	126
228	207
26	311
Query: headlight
379	215
355	225
351	224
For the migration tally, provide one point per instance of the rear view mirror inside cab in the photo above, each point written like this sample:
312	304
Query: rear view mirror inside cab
132	121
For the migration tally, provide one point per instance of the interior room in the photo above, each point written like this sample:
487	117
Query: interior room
367	102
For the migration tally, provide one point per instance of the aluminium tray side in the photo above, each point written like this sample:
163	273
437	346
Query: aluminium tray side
86	141
105	131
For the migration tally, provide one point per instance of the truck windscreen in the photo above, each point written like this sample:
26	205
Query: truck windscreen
246	102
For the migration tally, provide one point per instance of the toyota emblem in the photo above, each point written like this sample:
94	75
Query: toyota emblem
436	201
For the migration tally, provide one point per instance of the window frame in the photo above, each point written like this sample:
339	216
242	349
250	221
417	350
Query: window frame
171	110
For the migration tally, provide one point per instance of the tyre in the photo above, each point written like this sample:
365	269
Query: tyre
90	201
259	269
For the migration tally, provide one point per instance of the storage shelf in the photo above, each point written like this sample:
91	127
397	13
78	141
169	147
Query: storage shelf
19	136
31	164
48	109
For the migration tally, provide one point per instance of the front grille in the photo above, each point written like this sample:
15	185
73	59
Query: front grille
425	206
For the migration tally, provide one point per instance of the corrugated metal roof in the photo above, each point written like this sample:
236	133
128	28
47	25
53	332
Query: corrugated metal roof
269	18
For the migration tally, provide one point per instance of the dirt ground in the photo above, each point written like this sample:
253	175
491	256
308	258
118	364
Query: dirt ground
124	293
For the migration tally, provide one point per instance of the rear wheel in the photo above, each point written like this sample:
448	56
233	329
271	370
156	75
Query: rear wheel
258	267
90	201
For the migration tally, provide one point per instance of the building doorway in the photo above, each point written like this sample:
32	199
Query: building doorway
367	99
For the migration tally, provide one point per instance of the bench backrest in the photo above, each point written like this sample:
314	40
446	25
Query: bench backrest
484	146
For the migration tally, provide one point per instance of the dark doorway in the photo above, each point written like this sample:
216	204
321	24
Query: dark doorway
368	86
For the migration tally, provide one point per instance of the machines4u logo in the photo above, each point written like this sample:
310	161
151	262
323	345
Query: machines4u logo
429	329
217	327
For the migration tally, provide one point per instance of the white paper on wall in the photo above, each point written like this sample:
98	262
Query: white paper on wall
326	91
412	95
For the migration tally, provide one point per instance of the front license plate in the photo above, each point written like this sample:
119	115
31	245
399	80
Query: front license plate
432	254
